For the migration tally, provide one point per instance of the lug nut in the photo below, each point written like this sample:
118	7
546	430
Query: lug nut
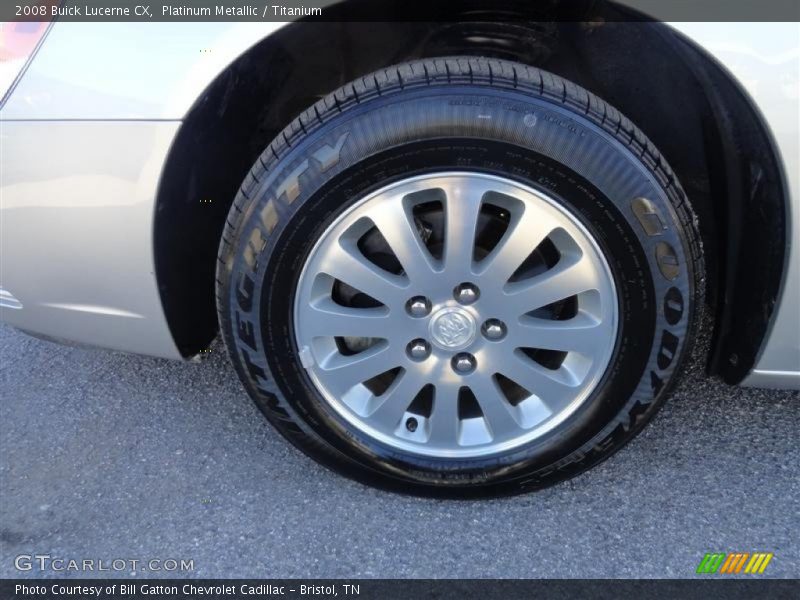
466	293
411	424
418	306
464	363
418	349
494	329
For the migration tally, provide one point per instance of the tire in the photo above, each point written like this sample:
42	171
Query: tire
487	123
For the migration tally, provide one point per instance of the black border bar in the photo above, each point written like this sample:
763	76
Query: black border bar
388	589
398	10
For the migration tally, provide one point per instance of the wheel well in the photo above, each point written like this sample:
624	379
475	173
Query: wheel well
712	138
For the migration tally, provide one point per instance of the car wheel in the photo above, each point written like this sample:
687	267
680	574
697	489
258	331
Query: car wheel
459	276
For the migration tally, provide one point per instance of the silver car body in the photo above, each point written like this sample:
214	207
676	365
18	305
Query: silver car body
84	138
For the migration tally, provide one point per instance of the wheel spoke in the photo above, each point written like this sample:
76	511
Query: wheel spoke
559	283
461	220
550	386
444	422
580	334
396	224
522	237
497	411
343	372
358	272
328	319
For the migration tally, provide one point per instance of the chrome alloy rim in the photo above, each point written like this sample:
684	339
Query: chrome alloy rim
455	314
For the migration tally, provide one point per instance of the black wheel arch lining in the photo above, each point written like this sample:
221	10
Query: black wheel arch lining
752	191
732	173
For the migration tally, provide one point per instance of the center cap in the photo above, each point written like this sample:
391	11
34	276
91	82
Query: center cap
452	328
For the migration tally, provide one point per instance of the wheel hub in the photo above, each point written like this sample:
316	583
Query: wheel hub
452	328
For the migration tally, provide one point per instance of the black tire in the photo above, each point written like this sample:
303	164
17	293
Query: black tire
423	116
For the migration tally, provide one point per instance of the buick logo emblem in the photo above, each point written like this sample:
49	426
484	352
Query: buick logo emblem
452	328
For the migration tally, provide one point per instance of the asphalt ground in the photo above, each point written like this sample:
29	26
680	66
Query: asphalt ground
105	455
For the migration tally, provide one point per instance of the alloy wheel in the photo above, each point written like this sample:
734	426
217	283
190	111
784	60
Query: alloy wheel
455	314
